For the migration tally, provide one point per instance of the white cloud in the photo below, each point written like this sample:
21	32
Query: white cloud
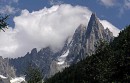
8	43
43	28
8	10
108	3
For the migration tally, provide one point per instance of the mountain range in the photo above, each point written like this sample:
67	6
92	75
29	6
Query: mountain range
82	45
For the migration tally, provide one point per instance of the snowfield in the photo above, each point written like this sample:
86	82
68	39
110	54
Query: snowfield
3	77
17	80
61	59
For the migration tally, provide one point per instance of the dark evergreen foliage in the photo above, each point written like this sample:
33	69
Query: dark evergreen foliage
3	23
110	64
33	75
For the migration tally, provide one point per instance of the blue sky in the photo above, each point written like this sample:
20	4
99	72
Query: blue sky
115	11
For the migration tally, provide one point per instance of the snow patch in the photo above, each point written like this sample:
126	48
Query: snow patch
1	76
111	27
70	44
60	63
64	55
61	59
17	80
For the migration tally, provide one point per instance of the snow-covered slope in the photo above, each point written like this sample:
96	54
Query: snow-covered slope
17	80
3	77
62	58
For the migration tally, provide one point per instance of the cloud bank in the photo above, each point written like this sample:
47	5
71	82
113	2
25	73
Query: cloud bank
43	28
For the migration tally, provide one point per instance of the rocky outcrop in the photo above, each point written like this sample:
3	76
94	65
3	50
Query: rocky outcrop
95	31
41	59
82	44
6	69
85	38
75	46
4	79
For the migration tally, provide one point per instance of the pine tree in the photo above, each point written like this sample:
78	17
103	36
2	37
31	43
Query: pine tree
33	75
3	23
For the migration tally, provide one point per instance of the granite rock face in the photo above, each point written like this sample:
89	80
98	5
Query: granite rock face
76	46
95	31
41	59
6	69
85	38
82	44
4	80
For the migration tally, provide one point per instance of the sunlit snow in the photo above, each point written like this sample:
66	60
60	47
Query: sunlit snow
61	59
1	76
60	63
17	80
65	54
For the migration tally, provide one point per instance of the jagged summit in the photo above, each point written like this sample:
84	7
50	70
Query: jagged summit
94	27
95	31
93	19
93	16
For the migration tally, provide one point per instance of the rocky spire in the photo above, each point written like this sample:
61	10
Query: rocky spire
95	31
94	27
6	69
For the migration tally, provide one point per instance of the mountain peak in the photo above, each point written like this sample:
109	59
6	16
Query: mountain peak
93	16
34	52
94	26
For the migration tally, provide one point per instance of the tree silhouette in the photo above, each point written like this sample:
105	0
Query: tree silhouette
33	74
3	23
